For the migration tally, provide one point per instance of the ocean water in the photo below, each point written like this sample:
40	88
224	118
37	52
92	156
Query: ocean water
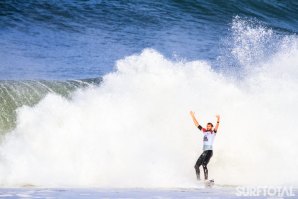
73	39
97	94
91	193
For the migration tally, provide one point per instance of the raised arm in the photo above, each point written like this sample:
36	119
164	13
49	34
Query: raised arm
192	114
217	123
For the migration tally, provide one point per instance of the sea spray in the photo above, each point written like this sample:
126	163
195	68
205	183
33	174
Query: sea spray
134	129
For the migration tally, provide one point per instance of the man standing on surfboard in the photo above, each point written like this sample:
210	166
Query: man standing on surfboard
209	135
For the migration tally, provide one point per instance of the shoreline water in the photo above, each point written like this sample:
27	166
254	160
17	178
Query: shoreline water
82	193
90	193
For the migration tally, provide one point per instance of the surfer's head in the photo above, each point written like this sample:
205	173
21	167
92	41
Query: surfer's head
209	126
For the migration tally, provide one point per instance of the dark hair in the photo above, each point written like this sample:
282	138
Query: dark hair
209	123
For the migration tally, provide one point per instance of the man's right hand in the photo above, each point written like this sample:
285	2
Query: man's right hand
194	118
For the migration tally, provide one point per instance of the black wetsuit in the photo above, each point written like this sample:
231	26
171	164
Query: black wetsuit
203	160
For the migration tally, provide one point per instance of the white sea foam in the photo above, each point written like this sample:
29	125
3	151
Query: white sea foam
134	130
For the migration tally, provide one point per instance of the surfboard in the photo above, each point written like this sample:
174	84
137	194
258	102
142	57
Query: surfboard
209	183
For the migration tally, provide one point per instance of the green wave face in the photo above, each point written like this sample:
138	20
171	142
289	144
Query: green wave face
15	94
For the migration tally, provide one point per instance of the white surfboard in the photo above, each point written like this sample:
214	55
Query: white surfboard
209	183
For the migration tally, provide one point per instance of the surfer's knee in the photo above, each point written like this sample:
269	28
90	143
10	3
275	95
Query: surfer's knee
197	167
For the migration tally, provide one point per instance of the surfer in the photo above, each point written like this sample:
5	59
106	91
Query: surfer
209	135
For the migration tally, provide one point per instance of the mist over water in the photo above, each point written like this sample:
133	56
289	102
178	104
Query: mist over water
134	129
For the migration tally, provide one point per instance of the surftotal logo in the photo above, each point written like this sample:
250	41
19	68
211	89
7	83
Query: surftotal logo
266	191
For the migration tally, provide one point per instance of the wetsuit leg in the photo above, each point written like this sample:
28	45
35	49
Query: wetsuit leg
206	160
199	163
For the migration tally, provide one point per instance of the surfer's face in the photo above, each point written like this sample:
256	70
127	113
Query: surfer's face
209	127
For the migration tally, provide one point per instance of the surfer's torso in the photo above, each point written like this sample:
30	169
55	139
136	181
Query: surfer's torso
208	138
